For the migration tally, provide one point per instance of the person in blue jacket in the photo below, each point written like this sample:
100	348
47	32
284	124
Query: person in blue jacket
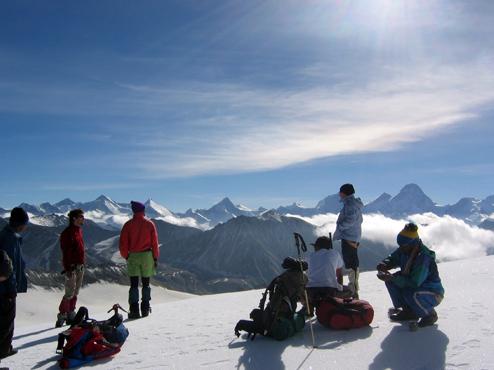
416	289
349	231
10	243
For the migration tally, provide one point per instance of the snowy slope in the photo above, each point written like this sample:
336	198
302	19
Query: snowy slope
198	333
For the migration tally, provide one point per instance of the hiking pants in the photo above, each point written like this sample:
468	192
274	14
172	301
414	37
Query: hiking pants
73	283
134	291
7	317
420	301
349	252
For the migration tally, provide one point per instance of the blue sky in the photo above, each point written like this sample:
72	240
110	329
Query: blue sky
267	102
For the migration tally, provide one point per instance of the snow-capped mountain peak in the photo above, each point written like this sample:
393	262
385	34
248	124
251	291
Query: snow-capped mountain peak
154	209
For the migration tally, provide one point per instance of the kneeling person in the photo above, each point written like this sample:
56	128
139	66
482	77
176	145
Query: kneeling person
416	289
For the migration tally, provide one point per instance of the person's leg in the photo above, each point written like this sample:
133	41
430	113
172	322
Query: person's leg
146	296
65	305
78	283
350	258
134	271
7	318
147	270
396	295
422	302
134	297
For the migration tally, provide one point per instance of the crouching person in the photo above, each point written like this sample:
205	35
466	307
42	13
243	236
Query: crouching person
416	289
139	246
324	272
278	318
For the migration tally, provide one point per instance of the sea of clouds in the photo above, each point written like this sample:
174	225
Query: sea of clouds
449	237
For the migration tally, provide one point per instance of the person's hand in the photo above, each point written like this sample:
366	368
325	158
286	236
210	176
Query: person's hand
155	263
384	276
382	267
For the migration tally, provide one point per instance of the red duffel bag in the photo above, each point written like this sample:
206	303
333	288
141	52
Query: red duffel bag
340	314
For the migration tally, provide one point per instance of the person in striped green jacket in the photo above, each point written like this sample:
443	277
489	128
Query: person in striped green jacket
416	288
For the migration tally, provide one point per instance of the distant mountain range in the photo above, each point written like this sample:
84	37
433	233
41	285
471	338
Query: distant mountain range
410	200
227	247
244	252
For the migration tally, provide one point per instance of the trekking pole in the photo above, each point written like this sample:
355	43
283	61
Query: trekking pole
300	243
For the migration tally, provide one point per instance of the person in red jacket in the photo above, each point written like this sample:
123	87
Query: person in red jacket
73	260
139	246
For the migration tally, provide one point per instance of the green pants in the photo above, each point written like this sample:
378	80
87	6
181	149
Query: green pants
141	264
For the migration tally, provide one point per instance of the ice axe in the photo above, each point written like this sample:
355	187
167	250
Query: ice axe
115	309
302	247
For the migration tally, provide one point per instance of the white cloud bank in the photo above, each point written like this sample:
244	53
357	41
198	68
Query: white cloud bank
450	238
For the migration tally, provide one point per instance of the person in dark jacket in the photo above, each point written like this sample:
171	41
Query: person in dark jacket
349	231
416	289
11	243
73	260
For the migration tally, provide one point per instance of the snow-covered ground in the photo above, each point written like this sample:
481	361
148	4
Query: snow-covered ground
192	332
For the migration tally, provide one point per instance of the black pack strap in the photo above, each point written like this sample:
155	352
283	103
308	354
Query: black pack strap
269	289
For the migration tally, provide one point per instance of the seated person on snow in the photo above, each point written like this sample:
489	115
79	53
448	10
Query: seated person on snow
416	289
325	272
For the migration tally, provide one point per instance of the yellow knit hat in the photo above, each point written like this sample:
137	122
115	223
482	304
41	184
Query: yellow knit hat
408	235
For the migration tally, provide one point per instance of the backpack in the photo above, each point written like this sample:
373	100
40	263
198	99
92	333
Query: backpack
277	318
343	314
87	339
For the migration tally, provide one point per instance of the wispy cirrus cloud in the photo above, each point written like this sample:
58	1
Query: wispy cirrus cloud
235	129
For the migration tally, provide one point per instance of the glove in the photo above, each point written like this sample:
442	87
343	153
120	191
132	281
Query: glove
155	263
382	267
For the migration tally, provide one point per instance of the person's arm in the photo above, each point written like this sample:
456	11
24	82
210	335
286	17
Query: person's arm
417	276
124	242
339	276
8	244
154	242
65	246
6	266
390	262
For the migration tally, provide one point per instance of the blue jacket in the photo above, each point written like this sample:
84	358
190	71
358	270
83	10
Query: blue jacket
349	223
11	243
423	275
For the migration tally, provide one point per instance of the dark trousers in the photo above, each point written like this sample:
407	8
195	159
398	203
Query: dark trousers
7	317
350	255
134	290
316	294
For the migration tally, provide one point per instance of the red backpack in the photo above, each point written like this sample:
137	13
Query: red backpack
340	314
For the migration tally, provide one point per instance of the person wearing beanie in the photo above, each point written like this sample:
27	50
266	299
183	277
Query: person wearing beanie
416	289
16	282
139	246
349	231
73	261
324	272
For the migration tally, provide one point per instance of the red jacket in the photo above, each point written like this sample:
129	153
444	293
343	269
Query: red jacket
72	246
139	235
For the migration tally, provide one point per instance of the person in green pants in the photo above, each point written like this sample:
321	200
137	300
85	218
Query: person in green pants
139	246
